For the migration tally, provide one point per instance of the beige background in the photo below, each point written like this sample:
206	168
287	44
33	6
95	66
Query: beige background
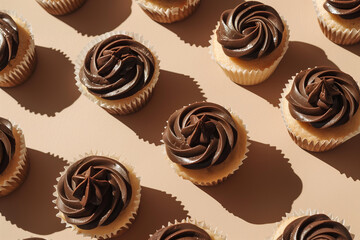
277	178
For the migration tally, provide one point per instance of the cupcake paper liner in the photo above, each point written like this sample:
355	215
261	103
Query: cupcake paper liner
303	142
308	212
245	76
227	173
116	228
130	104
215	233
168	15
18	176
60	7
22	71
339	35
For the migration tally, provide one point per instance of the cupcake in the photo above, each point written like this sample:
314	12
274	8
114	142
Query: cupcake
320	108
98	196
17	49
60	7
205	143
13	163
311	226
249	42
117	71
339	20
187	229
168	11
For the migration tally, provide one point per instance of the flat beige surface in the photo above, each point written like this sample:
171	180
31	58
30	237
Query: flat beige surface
276	178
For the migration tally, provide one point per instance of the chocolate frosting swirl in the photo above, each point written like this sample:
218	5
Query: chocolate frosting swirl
348	9
93	191
200	135
316	227
181	231
7	142
9	39
249	31
324	97
117	67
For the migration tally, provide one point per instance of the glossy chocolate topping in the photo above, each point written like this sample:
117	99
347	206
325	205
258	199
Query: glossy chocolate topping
249	31
117	67
181	231
7	142
348	9
93	191
324	97
9	39
316	227
200	135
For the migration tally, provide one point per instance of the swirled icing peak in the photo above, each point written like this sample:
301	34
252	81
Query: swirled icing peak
200	135
348	9
250	30
7	143
315	227
181	231
324	97
93	191
9	39
117	67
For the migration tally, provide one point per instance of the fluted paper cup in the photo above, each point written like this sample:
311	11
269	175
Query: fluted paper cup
126	105
125	217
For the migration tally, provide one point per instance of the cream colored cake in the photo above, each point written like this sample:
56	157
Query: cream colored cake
60	7
339	30
215	174
167	11
17	169
249	72
317	139
21	67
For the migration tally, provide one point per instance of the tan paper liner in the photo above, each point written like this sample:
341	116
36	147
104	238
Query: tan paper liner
280	226
311	145
60	7
168	15
245	76
341	35
17	177
221	177
22	71
117	227
132	103
215	233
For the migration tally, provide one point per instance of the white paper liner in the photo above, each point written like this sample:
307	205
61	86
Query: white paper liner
18	176
19	73
245	76
335	32
129	219
303	142
60	7
132	103
222	177
168	15
308	212
215	233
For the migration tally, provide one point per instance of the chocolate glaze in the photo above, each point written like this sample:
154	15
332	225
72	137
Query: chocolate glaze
181	231
348	9
250	30
316	227
7	143
324	97
9	39
117	67
93	191
200	135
